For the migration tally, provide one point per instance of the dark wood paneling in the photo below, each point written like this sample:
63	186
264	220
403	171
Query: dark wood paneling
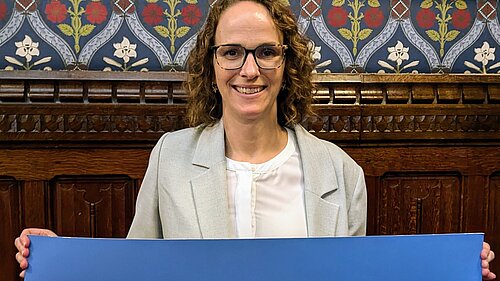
482	160
93	206
88	122
475	203
74	147
35	204
372	188
45	164
493	227
417	204
9	226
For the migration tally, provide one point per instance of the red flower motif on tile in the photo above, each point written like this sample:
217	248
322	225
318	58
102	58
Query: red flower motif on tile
425	18
191	14
96	12
460	19
153	14
56	11
374	17
337	17
3	10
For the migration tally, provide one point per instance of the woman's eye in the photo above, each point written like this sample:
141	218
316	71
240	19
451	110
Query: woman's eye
231	53
267	52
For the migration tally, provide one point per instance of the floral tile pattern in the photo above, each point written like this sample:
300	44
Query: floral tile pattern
374	36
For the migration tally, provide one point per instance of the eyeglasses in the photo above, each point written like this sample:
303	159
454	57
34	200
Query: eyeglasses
233	56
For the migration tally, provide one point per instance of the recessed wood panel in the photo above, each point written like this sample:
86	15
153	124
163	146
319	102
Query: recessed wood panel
493	228
414	204
372	187
475	202
9	227
35	204
93	206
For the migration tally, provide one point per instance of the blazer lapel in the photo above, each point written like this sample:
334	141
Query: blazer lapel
209	187
320	182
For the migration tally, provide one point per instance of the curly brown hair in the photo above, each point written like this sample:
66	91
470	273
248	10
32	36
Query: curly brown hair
295	98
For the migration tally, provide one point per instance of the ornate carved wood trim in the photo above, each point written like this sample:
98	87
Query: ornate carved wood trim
82	106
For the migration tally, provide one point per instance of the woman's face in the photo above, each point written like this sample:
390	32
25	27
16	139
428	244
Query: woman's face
248	93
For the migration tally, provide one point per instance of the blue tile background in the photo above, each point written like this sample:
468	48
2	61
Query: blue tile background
395	36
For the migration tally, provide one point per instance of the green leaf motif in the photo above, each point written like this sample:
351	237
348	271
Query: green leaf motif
434	35
452	35
365	33
163	31
461	4
66	29
374	3
192	1
346	33
182	31
86	29
426	4
338	3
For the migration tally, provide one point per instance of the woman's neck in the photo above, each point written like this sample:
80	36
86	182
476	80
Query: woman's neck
253	142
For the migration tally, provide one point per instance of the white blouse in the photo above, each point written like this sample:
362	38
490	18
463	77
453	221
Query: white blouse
267	199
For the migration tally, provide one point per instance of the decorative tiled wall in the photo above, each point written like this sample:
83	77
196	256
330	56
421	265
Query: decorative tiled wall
374	36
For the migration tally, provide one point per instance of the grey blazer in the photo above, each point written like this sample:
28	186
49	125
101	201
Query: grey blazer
184	193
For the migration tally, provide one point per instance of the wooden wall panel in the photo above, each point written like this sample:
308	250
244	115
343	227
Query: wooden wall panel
9	226
35	204
416	204
39	163
93	206
475	210
75	145
469	160
372	188
493	227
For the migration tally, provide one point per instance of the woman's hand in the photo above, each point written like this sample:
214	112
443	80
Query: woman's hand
487	255
23	243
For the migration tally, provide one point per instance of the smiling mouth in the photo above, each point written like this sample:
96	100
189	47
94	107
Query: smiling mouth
248	90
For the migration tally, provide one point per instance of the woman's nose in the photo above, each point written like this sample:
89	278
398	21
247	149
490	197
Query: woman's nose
250	69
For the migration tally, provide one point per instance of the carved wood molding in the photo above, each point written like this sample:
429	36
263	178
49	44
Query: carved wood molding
391	122
148	122
89	122
118	107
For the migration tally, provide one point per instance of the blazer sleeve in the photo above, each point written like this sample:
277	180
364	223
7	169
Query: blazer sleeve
357	207
147	222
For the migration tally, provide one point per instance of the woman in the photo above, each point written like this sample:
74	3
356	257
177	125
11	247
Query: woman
248	169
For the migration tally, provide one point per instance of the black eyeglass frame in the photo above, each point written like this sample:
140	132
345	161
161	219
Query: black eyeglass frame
247	51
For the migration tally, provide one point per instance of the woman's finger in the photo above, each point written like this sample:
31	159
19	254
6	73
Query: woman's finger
491	256
19	258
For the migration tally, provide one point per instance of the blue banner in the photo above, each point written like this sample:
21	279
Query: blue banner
390	258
